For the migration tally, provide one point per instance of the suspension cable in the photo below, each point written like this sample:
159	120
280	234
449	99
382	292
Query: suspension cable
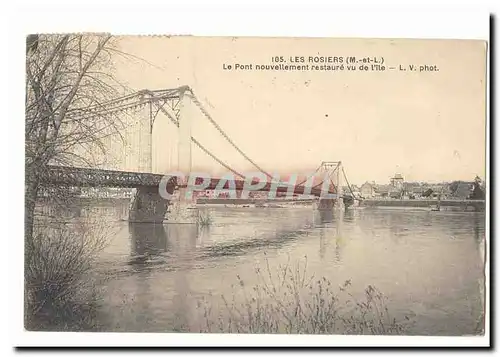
321	183
216	159
214	123
161	92
197	143
103	104
329	177
349	185
301	183
176	123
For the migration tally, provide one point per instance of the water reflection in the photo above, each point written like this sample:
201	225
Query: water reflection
322	244
344	216
264	230
330	225
147	240
349	215
478	228
184	239
480	243
204	236
156	248
321	217
141	297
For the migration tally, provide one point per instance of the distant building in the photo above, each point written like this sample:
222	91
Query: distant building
382	190
437	191
395	194
388	191
367	190
441	191
398	181
416	191
413	189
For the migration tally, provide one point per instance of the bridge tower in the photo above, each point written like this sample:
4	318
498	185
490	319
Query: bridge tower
146	131
181	209
147	205
330	173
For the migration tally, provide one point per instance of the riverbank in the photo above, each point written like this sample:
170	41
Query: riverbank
455	205
251	201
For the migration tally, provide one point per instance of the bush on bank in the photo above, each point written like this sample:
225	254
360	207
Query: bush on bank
60	287
294	303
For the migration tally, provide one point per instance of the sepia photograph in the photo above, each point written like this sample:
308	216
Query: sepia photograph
255	185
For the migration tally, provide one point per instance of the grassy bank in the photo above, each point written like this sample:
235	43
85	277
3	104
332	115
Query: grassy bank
60	288
290	301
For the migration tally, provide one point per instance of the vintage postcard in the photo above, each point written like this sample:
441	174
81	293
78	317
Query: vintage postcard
255	185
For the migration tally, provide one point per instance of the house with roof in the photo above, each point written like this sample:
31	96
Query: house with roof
436	191
395	193
382	191
398	181
367	190
416	191
413	189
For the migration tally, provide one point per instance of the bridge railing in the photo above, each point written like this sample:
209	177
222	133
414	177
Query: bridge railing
74	176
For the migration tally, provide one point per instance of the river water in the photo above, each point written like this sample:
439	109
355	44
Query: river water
427	264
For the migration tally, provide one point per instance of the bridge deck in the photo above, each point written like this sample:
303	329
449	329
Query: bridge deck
86	177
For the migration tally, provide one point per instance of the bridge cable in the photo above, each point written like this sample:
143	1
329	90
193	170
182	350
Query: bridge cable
197	143
330	178
221	131
216	159
123	103
214	123
204	149
141	93
209	117
315	171
349	185
176	123
104	104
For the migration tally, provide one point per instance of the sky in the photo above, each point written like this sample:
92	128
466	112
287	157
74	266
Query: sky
428	126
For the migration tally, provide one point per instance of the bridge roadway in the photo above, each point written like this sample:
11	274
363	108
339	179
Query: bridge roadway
85	177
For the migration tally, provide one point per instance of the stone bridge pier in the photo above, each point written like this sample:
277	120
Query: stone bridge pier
326	204
147	206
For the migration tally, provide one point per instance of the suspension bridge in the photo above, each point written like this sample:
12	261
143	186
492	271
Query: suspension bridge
130	155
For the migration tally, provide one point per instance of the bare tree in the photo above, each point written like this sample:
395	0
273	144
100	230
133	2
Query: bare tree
67	78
